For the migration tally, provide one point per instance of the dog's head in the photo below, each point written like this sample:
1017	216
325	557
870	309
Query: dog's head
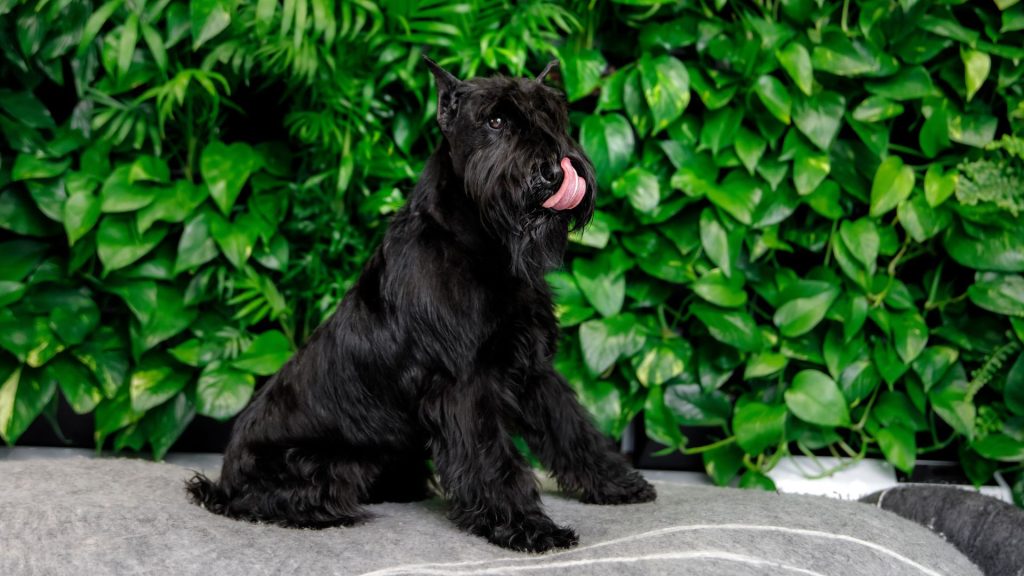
510	145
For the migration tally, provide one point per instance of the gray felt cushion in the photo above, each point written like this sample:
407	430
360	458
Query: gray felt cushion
123	517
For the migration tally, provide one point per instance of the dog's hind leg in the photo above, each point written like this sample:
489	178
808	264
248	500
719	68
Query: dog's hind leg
303	489
559	431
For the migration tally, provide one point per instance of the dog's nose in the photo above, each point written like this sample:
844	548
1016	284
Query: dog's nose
551	174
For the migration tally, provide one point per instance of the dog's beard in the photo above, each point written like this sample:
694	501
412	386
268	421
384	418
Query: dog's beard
511	210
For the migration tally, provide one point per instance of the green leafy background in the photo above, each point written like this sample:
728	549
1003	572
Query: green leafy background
808	238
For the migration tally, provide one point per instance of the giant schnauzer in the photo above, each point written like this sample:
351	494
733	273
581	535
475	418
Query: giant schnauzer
442	350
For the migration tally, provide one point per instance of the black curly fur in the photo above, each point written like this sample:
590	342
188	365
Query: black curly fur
441	350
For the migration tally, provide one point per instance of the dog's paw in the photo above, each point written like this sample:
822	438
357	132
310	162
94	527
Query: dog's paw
628	489
536	534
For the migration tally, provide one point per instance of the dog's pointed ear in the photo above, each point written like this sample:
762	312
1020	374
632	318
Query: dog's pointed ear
551	66
447	104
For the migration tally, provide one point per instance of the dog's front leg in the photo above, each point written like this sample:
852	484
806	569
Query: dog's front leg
491	491
562	435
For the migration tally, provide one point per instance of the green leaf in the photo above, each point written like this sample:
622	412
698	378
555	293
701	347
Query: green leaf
934	135
119	244
223	391
659	424
18	213
950	402
209	18
113	415
692	406
809	171
877	109
166	423
23	395
120	194
266	355
796	61
719	290
764	364
892	184
49	196
571	307
899	447
862	241
717	242
606	340
719	128
998	250
581	71
196	246
759	426
910	335
76	382
738	194
1013	390
225	169
825	200
608	141
602	283
640	187
814	397
999	293
804	306
976	68
666	85
920	220
1000	447
155	380
749	147
753	480
775	97
105	356
26	108
156	46
858	380
81	212
28	338
235	239
173	205
733	327
842	57
932	364
149	169
938	186
159	308
976	130
74	318
908	84
819	117
896	408
722	463
664	361
126	47
28	167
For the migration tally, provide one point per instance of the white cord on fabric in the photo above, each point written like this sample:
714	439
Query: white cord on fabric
397	570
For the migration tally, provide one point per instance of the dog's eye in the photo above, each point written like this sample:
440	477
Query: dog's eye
496	123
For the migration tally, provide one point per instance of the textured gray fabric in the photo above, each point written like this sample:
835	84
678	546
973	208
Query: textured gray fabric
987	530
122	517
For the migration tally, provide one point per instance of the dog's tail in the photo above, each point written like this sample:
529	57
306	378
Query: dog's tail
206	493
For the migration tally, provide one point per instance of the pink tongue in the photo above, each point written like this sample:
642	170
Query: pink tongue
571	192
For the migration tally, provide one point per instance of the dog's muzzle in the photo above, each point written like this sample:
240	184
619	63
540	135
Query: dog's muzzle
571	192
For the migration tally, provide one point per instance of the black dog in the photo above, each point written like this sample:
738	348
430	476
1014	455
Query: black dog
443	348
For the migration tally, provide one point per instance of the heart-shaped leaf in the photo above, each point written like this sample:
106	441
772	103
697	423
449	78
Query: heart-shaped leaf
225	170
